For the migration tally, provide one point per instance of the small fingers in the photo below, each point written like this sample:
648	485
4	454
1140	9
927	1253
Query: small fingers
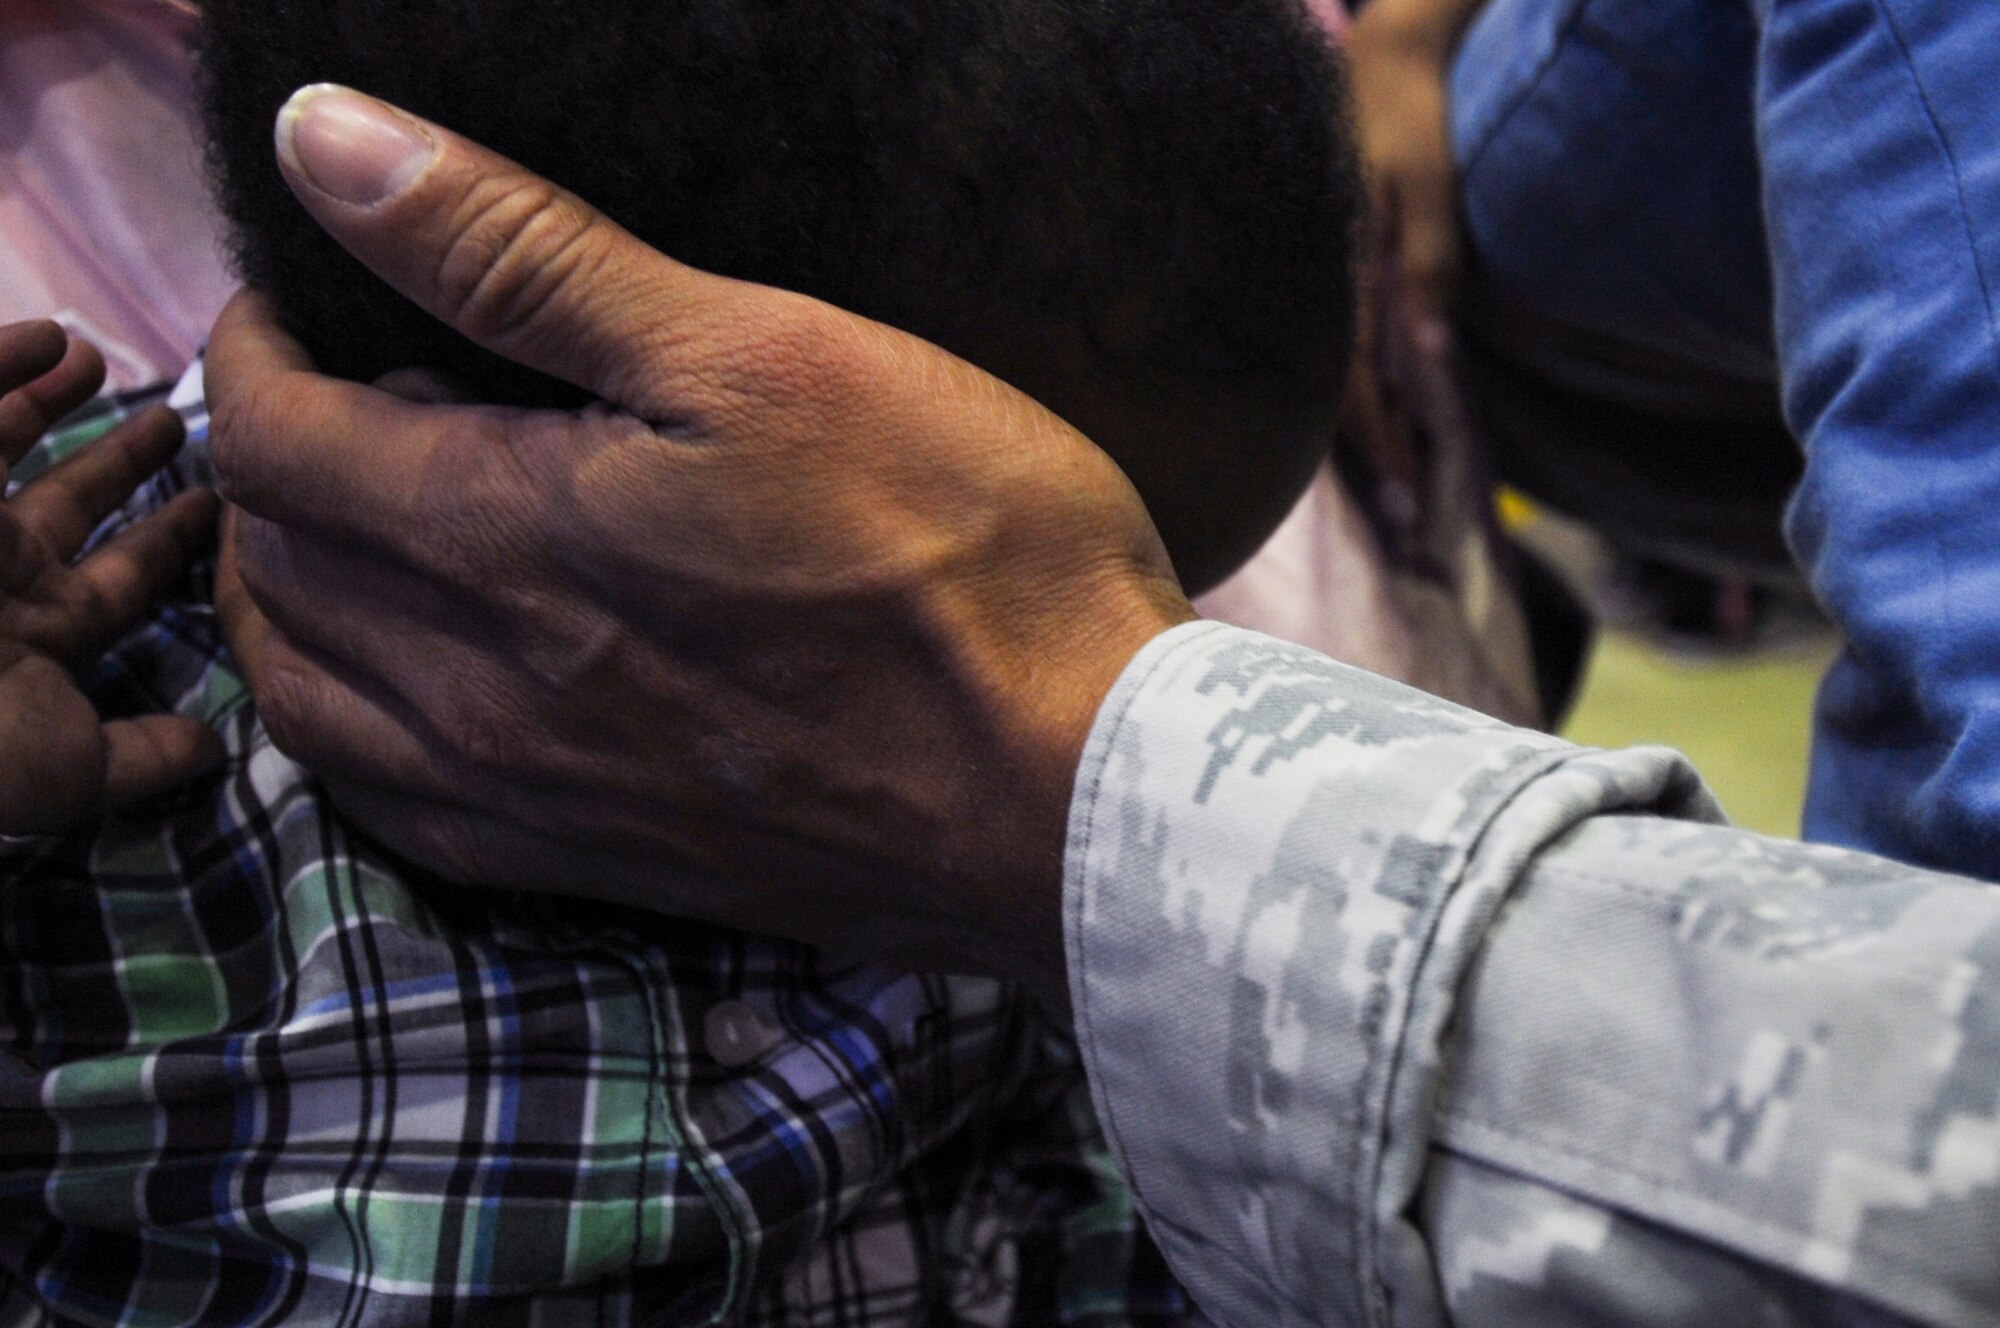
64	505
30	409
107	593
28	350
51	764
155	754
61	767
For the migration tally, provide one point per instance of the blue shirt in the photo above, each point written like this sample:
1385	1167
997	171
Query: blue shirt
1807	190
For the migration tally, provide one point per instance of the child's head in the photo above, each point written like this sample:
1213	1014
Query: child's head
1140	213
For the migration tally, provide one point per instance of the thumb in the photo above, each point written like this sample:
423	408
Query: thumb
529	271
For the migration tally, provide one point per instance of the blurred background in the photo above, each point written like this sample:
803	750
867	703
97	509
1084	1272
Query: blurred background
1719	668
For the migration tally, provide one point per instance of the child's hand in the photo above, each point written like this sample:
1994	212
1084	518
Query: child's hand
59	763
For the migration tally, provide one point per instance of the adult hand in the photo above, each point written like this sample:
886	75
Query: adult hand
805	604
1400	52
59	763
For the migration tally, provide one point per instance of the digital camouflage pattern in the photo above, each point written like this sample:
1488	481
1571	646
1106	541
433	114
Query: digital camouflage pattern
1397	1015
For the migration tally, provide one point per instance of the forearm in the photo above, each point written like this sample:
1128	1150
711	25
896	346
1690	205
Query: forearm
1298	893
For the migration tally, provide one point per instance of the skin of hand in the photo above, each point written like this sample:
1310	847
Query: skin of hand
1400	54
59	763
801	630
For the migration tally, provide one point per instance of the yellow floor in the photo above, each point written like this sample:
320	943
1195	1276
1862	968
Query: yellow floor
1744	722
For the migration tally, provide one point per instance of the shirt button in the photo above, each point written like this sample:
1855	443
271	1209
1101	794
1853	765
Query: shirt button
736	1035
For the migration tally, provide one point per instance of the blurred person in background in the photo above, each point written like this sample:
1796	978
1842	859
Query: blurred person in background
1666	239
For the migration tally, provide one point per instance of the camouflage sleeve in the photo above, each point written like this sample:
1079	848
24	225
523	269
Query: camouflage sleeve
1399	1016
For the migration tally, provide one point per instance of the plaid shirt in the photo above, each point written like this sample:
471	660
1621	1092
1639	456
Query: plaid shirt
253	1069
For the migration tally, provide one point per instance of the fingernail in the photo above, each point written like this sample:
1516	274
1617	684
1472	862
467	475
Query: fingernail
351	147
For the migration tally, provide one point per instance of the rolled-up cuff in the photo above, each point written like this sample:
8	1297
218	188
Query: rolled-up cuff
1278	870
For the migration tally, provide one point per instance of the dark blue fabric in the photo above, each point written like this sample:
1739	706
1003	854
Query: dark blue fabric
1810	187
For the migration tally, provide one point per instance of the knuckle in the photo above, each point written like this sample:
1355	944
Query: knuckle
484	732
515	245
294	706
796	354
488	528
261	556
90	610
235	421
284	576
482	550
578	648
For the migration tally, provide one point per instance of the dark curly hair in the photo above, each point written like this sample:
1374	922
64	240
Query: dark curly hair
1164	187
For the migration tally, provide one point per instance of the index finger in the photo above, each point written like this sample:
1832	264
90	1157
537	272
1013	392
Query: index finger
301	449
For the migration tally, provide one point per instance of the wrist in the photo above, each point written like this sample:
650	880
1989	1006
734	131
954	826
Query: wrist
1056	697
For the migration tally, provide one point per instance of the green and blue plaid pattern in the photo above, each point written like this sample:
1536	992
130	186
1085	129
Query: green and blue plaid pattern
255	1070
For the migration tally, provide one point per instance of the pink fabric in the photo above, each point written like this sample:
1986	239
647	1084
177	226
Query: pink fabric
1332	16
1320	581
105	219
